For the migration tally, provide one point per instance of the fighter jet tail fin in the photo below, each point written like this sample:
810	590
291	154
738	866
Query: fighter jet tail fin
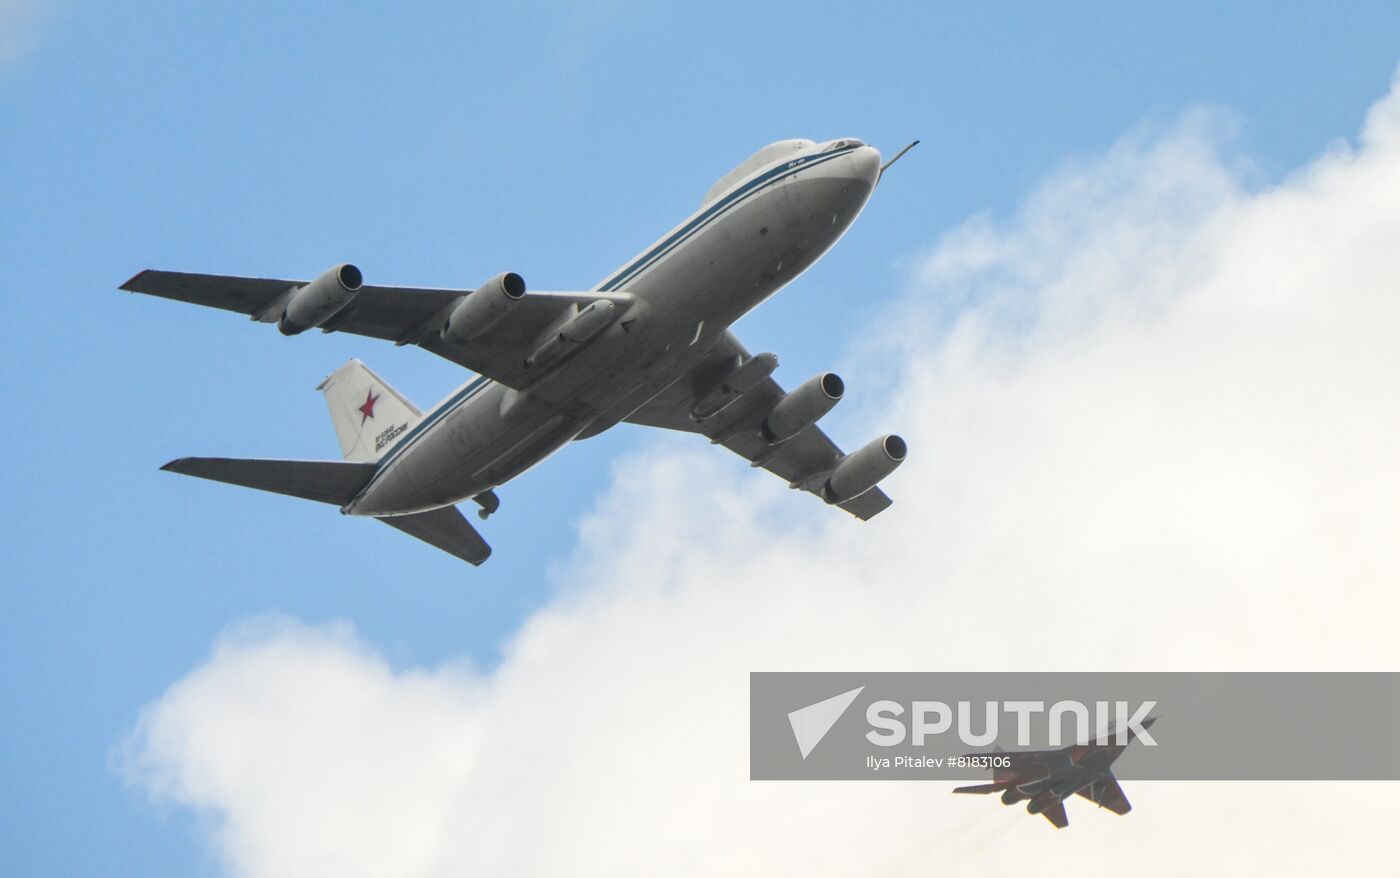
1106	793
1056	815
369	415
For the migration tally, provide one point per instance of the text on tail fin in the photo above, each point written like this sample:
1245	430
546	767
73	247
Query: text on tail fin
369	415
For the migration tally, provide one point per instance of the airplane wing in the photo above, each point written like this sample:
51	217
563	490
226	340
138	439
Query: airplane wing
983	789
1107	794
403	315
804	461
1056	815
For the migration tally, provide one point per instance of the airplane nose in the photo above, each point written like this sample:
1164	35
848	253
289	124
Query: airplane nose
865	164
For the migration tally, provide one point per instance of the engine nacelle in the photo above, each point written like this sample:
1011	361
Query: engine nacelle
483	308
803	407
863	470
320	300
578	329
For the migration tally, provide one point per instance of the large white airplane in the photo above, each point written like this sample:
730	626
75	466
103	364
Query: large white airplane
649	345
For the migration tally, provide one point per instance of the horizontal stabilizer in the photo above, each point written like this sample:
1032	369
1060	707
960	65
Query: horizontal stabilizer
326	481
446	529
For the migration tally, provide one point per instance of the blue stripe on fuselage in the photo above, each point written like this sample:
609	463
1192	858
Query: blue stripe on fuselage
713	211
442	411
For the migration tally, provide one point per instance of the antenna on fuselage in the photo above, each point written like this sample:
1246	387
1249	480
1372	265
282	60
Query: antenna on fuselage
897	156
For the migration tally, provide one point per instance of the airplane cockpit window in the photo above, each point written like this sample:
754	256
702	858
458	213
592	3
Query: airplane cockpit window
842	144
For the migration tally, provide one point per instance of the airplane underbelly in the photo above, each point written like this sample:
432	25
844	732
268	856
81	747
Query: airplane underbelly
473	449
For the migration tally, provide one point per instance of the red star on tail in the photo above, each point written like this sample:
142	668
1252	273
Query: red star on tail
367	410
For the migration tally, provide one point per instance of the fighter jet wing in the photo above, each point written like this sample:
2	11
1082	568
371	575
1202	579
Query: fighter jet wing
983	789
804	461
403	315
1107	794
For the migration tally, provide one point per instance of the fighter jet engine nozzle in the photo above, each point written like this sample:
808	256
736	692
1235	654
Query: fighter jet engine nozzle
863	470
1035	806
320	300
577	330
483	308
803	407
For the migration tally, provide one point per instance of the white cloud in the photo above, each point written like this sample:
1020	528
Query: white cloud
1153	423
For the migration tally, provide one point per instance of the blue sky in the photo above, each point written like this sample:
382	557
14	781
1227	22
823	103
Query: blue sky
439	144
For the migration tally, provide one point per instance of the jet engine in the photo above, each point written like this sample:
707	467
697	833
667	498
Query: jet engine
575	331
863	470
803	407
1035	806
483	308
320	300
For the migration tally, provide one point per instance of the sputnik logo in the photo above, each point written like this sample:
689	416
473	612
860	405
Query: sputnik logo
367	410
811	723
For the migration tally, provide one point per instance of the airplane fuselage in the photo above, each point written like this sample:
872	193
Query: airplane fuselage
743	245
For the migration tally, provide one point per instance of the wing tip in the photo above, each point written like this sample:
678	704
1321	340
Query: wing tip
131	285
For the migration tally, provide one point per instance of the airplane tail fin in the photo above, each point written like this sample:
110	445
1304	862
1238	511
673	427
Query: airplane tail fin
369	415
1056	815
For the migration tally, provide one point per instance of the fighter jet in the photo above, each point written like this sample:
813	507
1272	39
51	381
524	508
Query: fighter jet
648	345
1047	777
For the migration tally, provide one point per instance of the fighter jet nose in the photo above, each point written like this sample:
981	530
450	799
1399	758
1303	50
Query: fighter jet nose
865	164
